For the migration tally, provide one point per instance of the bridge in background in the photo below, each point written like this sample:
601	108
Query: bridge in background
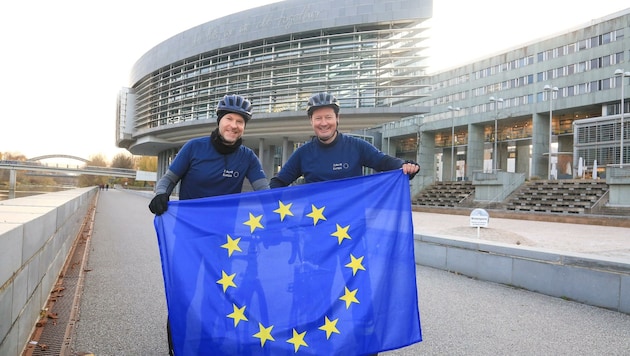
69	169
40	158
34	165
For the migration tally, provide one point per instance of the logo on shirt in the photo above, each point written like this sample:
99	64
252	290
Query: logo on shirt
340	166
230	173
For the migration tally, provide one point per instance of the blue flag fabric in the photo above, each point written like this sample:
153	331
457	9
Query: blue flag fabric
318	269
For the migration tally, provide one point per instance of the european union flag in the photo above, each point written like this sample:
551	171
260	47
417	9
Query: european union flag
318	269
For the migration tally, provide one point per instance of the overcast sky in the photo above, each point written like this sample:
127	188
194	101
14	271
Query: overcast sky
64	61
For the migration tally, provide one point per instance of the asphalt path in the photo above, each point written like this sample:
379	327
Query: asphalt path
123	309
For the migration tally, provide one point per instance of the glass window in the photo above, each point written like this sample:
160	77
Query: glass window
594	41
582	45
550	74
581	67
619	35
596	85
595	63
581	89
619	57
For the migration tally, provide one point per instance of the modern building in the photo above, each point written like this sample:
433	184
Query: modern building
561	95
366	52
550	108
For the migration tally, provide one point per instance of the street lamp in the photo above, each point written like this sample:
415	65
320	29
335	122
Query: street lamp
452	109
550	90
495	156
621	73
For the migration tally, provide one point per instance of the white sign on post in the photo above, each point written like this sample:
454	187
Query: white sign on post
479	218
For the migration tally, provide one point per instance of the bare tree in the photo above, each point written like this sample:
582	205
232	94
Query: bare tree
11	156
85	180
122	160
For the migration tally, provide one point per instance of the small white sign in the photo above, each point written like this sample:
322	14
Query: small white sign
146	176
479	218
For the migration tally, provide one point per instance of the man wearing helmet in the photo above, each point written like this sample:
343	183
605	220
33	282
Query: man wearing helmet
333	155
215	165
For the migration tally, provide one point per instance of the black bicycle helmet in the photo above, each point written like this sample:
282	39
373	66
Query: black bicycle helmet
320	100
236	104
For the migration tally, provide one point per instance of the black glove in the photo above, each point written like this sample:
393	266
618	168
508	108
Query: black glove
159	204
413	174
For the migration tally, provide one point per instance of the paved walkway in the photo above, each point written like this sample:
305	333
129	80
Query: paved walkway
604	241
123	309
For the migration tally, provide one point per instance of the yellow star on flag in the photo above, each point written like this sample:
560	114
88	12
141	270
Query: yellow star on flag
232	245
341	233
297	340
264	334
283	210
350	297
253	222
355	264
316	214
226	280
330	327
238	314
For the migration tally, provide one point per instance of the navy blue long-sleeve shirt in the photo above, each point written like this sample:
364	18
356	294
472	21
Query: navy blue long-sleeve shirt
345	157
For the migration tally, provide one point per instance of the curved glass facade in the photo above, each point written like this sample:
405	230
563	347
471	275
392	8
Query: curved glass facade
365	66
367	53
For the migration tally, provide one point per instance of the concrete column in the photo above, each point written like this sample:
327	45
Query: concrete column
474	154
285	150
261	151
522	158
540	145
426	154
12	183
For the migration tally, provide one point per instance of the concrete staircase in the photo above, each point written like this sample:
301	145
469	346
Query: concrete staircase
566	197
558	196
446	194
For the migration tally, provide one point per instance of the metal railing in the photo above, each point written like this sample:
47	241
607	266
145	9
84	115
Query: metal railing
57	168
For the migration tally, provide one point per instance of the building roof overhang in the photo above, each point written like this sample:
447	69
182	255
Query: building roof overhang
272	129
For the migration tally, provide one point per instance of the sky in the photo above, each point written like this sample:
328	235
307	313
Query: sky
65	61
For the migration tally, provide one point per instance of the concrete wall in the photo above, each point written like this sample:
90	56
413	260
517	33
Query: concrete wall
36	235
599	282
